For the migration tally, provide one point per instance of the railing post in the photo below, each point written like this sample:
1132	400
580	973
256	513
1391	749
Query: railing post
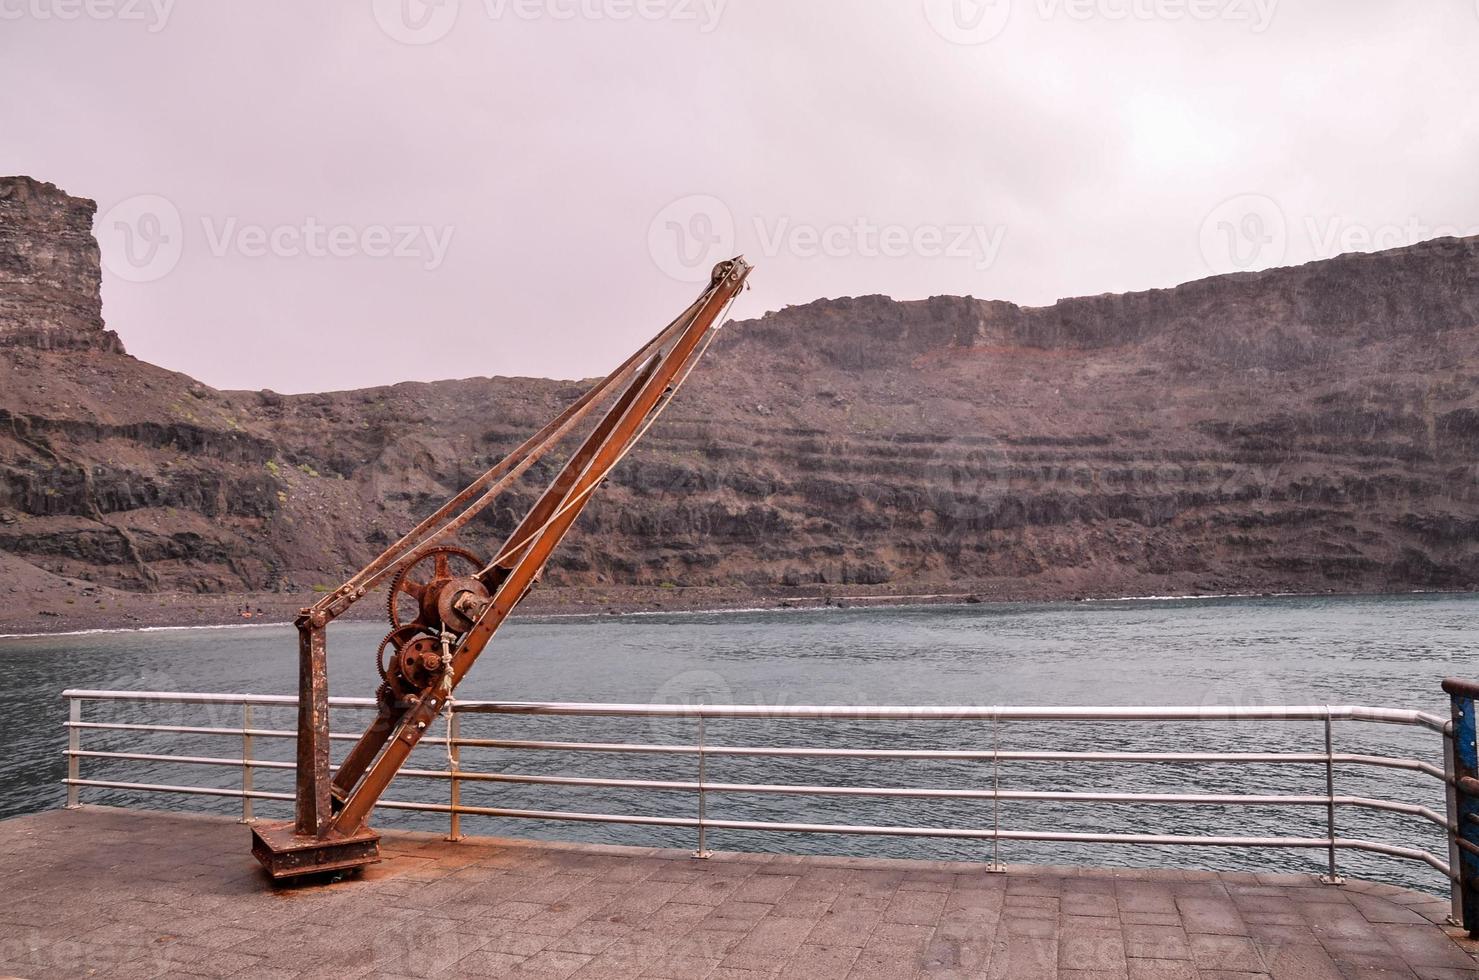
1455	853
74	745
454	761
1332	874
1465	787
246	764
996	867
703	849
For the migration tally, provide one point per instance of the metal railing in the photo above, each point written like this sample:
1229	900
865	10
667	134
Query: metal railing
1460	823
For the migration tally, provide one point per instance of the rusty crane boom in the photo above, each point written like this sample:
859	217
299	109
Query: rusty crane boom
446	603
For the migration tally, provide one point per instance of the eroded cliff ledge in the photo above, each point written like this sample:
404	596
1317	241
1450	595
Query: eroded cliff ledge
50	278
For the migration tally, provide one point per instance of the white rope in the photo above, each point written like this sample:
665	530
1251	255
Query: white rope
446	684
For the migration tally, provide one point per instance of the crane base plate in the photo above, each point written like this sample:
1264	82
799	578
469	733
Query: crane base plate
285	854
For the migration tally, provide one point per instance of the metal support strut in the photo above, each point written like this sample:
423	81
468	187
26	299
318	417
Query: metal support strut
1332	873
703	848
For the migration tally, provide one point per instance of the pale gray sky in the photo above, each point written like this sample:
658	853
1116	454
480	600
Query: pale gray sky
311	196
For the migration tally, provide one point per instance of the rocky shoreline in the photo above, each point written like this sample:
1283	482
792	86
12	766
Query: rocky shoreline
90	610
129	611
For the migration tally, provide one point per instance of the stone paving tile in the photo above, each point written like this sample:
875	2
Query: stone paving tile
1101	951
770	940
1214	916
1211	952
1282	934
1150	969
486	963
1300	962
1172	918
1156	942
915	907
1093	904
191	903
822	962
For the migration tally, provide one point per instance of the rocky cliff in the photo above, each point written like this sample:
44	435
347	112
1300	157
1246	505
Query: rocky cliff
1300	429
50	279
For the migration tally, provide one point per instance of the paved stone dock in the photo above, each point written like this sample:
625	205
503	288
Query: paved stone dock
120	894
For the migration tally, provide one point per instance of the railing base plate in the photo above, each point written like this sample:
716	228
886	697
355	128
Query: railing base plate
1331	880
286	855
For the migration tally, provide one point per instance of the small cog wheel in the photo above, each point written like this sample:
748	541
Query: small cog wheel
395	639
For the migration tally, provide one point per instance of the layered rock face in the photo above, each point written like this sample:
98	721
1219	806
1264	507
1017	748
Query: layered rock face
1303	429
50	277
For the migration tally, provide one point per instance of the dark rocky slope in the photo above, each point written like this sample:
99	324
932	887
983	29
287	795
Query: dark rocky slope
1300	429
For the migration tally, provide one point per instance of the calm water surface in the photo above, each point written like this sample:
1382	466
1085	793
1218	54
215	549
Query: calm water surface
1377	651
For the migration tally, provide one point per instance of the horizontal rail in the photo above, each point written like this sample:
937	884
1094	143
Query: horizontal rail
186	697
1392	716
662	785
1057	796
1462	687
236	763
969	755
1067	837
1273	758
236	794
1304	758
217	730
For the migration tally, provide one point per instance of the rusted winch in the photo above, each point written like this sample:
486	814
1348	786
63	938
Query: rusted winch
432	601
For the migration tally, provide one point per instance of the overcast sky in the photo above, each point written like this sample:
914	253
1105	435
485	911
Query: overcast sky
307	196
